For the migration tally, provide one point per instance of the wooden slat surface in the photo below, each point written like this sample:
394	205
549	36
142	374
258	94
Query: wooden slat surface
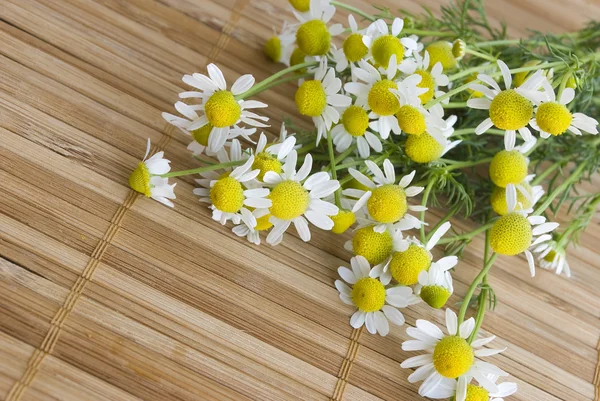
107	296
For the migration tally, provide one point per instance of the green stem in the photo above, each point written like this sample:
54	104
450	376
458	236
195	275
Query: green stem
466	236
473	287
353	9
332	168
455	105
480	55
259	86
448	95
541	177
444	219
428	189
492	131
203	169
561	188
465	164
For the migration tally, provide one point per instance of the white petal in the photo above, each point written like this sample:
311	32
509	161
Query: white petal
358	319
216	75
242	84
466	328
394	315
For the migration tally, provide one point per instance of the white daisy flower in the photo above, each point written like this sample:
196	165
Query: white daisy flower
385	201
554	118
510	109
297	198
376	304
352	51
220	109
450	359
431	80
313	36
251	226
270	158
383	43
552	256
146	178
516	232
280	46
354	128
527	196
474	392
231	192
435	285
319	97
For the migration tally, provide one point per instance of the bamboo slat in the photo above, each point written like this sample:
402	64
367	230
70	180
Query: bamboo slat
109	296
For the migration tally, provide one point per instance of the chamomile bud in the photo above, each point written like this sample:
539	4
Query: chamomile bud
459	48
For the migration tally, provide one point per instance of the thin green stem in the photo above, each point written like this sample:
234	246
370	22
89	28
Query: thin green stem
466	164
455	105
473	287
466	236
480	55
203	169
448	95
332	168
259	86
574	177
353	9
428	189
542	176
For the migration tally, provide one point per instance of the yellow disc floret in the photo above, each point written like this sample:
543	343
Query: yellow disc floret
311	98
222	110
381	100
354	48
387	204
227	195
508	167
453	357
368	294
139	180
435	296
510	110
342	221
201	134
301	5
405	266
476	393
428	82
411	120
290	200
373	246
423	148
550	256
298	57
459	49
272	49
355	120
553	118
264	161
263	223
441	52
313	38
511	234
498	199
384	47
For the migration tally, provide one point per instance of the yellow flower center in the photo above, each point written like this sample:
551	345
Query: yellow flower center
387	204
550	256
298	57
272	49
476	393
384	47
290	200
435	296
441	52
368	294
453	357
406	266
511	111
498	199
411	120
459	49
311	98
313	38
511	234
554	118
428	82
227	195
355	120
301	5
263	223
139	180
381	100
201	134
508	167
264	162
222	110
354	48
422	148
373	246
342	221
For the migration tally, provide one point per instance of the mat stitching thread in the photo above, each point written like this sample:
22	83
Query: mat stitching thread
347	364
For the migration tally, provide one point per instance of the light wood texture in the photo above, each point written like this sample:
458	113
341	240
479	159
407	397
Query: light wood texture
108	296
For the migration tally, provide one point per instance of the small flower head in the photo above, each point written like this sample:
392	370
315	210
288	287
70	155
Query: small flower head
527	196
252	224
508	167
300	5
459	49
385	43
342	221
435	285
442	52
431	75
375	304
146	178
280	46
354	128
269	157
551	255
374	246
353	49
313	36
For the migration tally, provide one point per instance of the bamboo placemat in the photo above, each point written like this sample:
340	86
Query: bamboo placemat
108	296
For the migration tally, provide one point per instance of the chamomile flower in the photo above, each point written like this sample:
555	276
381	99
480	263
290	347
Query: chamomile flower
435	285
280	46
319	97
354	128
552	256
527	196
431	145
353	50
510	110
478	392
444	53
313	36
220	111
412	117
509	167
449	360
230	192
374	303
552	117
270	158
374	246
296	198
516	232
252	225
383	42
432	75
146	178
385	201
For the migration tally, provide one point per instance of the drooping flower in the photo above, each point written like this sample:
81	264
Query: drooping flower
146	178
552	256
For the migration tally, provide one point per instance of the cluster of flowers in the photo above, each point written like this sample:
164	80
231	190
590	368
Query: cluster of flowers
378	85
